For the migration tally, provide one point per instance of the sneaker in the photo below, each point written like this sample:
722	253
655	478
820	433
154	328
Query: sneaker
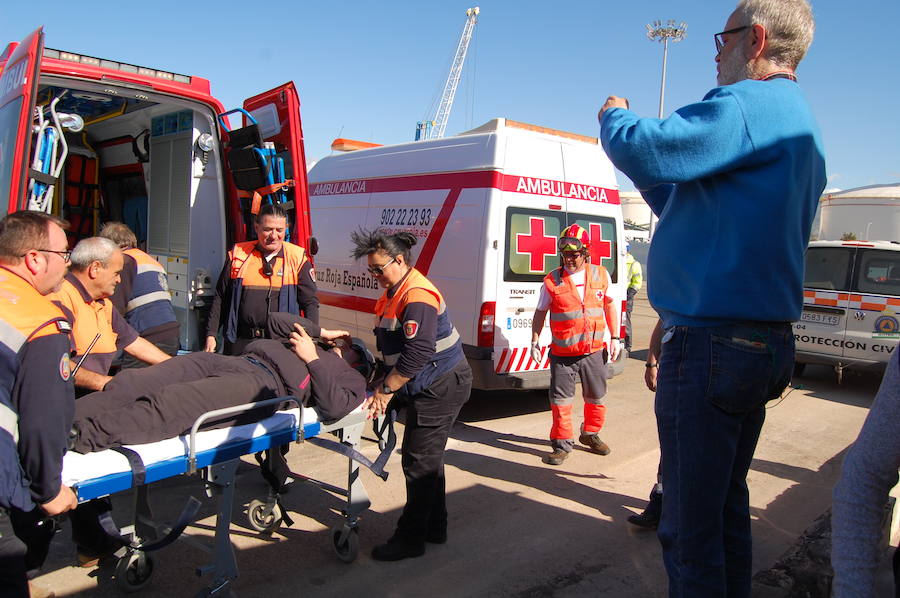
593	442
556	457
396	550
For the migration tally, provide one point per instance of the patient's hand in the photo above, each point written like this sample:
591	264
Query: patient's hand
333	335
303	344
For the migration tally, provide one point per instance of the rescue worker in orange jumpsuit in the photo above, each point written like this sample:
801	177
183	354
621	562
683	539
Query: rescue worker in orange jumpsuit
36	397
142	296
581	310
260	277
428	375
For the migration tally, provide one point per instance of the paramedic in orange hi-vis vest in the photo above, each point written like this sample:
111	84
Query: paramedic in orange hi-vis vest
580	313
260	277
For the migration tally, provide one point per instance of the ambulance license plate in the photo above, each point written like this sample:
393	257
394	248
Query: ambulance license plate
829	319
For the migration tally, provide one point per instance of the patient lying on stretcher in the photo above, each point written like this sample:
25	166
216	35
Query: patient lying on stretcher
147	405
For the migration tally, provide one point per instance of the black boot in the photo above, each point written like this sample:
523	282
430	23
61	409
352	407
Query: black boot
397	548
649	519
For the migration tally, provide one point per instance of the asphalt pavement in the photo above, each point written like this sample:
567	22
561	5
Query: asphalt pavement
517	527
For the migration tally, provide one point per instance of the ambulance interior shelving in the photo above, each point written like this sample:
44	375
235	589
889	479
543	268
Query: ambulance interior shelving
149	160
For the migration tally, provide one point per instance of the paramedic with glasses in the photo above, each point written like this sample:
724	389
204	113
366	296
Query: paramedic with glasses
427	373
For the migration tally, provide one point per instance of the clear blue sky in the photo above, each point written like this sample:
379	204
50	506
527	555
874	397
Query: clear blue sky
370	70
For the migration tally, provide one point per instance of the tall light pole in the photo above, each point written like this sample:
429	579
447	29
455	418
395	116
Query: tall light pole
659	32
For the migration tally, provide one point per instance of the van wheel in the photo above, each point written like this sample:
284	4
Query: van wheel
798	369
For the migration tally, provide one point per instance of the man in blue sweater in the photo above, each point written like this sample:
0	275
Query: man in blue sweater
734	179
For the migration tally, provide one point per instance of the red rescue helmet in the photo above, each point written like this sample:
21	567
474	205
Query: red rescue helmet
574	238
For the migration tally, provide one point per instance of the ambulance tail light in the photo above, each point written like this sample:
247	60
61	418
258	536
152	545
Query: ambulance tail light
622	315
486	324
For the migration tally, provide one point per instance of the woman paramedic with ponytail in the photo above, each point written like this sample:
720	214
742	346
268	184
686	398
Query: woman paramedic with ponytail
428	375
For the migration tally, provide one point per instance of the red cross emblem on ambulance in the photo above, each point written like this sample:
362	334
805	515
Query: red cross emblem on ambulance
600	249
536	244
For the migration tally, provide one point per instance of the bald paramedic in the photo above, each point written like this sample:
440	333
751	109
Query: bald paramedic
142	295
260	277
95	271
36	397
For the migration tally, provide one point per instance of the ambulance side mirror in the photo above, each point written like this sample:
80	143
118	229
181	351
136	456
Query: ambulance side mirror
313	246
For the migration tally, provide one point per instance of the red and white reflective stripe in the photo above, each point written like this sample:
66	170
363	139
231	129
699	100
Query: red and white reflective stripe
519	360
872	303
829	298
849	300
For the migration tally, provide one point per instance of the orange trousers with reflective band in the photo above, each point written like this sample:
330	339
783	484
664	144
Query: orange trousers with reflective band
594	416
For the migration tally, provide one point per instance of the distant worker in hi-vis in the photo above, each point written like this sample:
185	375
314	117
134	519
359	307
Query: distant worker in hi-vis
581	311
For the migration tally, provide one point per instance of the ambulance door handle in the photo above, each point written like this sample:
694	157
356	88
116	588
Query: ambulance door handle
519	310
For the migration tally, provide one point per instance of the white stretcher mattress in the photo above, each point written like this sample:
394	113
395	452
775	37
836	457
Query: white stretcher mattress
104	472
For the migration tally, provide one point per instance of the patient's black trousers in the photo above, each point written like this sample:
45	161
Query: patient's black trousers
151	404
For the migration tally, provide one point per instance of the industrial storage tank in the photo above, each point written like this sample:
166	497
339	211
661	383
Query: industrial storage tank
865	213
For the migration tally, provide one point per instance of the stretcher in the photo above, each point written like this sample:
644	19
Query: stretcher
214	455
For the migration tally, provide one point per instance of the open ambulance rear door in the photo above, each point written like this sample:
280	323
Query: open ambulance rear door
277	113
18	85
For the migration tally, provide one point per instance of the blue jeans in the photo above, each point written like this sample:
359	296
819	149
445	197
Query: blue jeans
710	406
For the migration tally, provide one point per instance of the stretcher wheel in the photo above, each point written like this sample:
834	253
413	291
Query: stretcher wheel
346	542
134	570
258	520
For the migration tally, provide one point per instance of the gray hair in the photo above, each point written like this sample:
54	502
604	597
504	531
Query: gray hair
92	249
789	27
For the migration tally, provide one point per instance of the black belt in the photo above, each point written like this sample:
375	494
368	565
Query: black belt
251	332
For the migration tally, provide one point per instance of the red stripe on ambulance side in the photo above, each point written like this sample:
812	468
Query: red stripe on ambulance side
476	179
353	302
423	263
518	367
500	361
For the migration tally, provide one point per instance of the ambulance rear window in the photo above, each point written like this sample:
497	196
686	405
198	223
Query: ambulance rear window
531	237
828	268
9	118
879	272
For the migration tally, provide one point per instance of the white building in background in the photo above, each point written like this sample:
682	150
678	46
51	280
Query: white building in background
870	213
636	213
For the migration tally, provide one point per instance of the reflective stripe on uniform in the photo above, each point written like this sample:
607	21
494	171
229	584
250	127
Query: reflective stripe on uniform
9	422
11	336
445	343
148	298
591	312
574	340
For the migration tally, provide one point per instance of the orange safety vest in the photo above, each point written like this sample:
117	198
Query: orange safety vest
90	318
577	327
246	271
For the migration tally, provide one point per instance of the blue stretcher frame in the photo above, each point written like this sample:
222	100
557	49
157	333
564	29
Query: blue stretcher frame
122	481
218	467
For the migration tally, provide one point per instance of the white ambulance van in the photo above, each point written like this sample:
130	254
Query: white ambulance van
487	207
851	300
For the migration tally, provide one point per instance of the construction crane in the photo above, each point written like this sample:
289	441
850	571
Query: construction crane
434	129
